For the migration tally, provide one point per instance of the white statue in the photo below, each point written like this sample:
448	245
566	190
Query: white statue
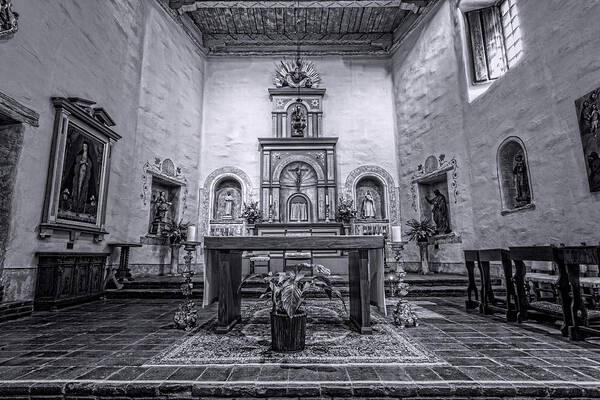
368	206
228	204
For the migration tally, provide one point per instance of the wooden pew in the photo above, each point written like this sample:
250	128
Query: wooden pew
541	308
584	322
471	257
490	302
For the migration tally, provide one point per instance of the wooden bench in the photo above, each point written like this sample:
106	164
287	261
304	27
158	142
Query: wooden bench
584	322
539	307
491	303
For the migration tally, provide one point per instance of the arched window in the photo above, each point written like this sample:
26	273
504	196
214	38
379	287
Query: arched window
513	173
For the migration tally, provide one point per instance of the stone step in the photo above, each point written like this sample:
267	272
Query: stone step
173	282
255	292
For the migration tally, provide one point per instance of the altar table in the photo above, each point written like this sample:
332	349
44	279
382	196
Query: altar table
223	271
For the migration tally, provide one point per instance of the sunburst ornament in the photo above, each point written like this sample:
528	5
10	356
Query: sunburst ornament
299	73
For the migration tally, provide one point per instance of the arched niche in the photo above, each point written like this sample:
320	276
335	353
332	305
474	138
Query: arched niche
299	208
297	117
370	198
227	204
297	180
207	194
513	175
390	209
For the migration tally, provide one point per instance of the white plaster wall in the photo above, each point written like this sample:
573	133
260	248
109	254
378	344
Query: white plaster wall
534	101
112	52
358	108
429	117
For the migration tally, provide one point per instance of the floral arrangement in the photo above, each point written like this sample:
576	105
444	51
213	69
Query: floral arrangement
175	232
288	289
252	212
345	210
420	231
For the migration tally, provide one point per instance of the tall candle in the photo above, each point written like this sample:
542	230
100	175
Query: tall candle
326	199
270	199
191	233
396	233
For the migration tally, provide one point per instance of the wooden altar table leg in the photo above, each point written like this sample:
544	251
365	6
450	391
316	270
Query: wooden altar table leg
360	299
230	277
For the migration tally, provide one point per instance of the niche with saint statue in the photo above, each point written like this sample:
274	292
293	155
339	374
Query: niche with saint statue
164	204
370	200
227	201
513	173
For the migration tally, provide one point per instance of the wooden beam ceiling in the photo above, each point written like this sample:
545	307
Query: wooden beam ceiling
320	27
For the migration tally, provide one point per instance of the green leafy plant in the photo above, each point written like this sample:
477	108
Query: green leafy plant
345	210
175	232
252	212
288	289
420	231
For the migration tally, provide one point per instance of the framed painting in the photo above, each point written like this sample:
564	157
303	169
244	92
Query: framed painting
79	169
588	116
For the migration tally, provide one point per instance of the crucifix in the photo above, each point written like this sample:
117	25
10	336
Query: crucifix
299	171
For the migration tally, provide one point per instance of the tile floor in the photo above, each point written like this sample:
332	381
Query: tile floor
100	350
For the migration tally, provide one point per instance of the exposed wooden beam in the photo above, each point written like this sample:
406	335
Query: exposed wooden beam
193	5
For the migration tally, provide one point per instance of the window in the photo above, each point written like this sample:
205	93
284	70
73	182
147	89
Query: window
495	40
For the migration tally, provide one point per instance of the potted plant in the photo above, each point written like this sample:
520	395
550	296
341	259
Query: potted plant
288	291
420	232
252	213
175	233
346	213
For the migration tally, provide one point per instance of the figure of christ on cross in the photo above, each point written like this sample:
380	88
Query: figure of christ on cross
299	171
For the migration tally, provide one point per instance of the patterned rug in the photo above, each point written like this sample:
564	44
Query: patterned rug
329	340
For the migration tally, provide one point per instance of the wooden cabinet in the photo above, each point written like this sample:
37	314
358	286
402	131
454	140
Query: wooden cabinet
68	278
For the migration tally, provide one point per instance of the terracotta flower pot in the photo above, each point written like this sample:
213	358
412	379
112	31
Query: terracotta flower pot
288	334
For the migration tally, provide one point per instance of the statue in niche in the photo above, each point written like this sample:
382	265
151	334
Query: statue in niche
439	210
368	206
228	211
161	214
81	178
298	210
298	122
521	181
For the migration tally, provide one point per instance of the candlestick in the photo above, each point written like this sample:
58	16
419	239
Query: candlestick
191	233
396	233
